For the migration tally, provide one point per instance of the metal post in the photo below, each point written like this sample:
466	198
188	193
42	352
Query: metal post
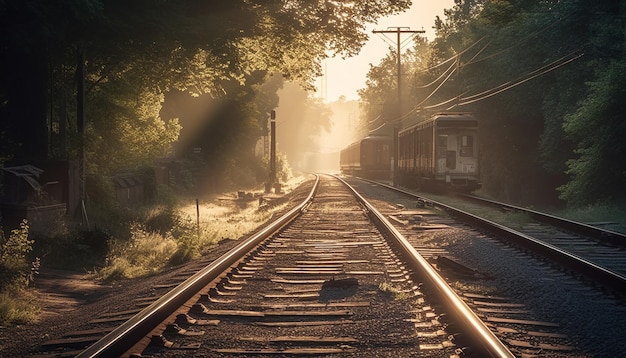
396	156
272	178
399	66
198	218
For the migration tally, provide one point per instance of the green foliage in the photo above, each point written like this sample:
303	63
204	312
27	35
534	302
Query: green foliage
73	250
519	65
283	169
171	236
613	217
18	307
16	273
15	268
145	253
126	129
136	52
598	174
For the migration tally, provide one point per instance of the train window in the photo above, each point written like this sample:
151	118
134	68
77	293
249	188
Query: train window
467	146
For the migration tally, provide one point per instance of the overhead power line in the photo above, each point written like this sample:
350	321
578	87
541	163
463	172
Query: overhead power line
530	76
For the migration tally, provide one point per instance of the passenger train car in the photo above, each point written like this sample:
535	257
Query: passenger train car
440	152
368	158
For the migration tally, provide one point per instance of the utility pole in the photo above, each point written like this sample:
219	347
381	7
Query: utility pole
398	122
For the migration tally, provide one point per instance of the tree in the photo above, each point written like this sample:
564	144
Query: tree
193	46
598	173
379	97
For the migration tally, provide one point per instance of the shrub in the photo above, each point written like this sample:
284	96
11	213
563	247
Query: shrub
14	264
144	254
16	272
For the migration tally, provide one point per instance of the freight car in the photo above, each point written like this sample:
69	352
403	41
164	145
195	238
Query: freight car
369	158
441	151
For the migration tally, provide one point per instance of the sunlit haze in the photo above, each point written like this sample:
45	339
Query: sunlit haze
346	77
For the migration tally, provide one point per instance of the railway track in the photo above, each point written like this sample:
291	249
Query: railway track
534	303
595	252
599	246
328	283
331	284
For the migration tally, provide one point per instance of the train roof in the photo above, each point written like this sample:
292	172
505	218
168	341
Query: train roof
368	138
453	119
377	136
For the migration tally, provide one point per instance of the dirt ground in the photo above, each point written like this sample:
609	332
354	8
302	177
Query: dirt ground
64	291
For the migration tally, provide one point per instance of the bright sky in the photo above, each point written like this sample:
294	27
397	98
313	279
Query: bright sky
345	77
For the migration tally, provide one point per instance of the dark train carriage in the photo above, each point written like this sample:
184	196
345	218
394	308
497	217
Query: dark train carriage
440	151
369	157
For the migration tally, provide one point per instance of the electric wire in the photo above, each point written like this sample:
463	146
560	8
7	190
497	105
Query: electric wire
529	75
438	87
456	66
438	78
519	82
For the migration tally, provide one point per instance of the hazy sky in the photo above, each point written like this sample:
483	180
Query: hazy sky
345	77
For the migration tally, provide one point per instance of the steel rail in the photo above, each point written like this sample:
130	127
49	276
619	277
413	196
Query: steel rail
480	334
598	273
117	342
614	237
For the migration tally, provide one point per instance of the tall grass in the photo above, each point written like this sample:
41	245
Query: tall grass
613	216
174	235
144	254
18	306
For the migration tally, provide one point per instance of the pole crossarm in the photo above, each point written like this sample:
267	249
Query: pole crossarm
402	30
399	31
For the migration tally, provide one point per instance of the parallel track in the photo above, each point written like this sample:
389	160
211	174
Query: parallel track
612	237
606	275
532	303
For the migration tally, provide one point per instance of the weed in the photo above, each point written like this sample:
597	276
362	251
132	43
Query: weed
144	254
18	306
395	292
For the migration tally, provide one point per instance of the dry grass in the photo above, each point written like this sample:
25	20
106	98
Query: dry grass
149	252
18	306
395	292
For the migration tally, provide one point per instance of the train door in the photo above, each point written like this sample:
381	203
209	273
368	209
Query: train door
467	152
446	159
456	152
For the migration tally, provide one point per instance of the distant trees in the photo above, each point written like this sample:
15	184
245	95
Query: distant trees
544	79
300	119
135	53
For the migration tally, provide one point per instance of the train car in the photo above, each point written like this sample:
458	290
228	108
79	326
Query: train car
369	158
441	151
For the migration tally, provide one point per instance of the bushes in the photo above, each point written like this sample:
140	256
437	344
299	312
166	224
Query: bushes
16	273
144	254
14	266
162	238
